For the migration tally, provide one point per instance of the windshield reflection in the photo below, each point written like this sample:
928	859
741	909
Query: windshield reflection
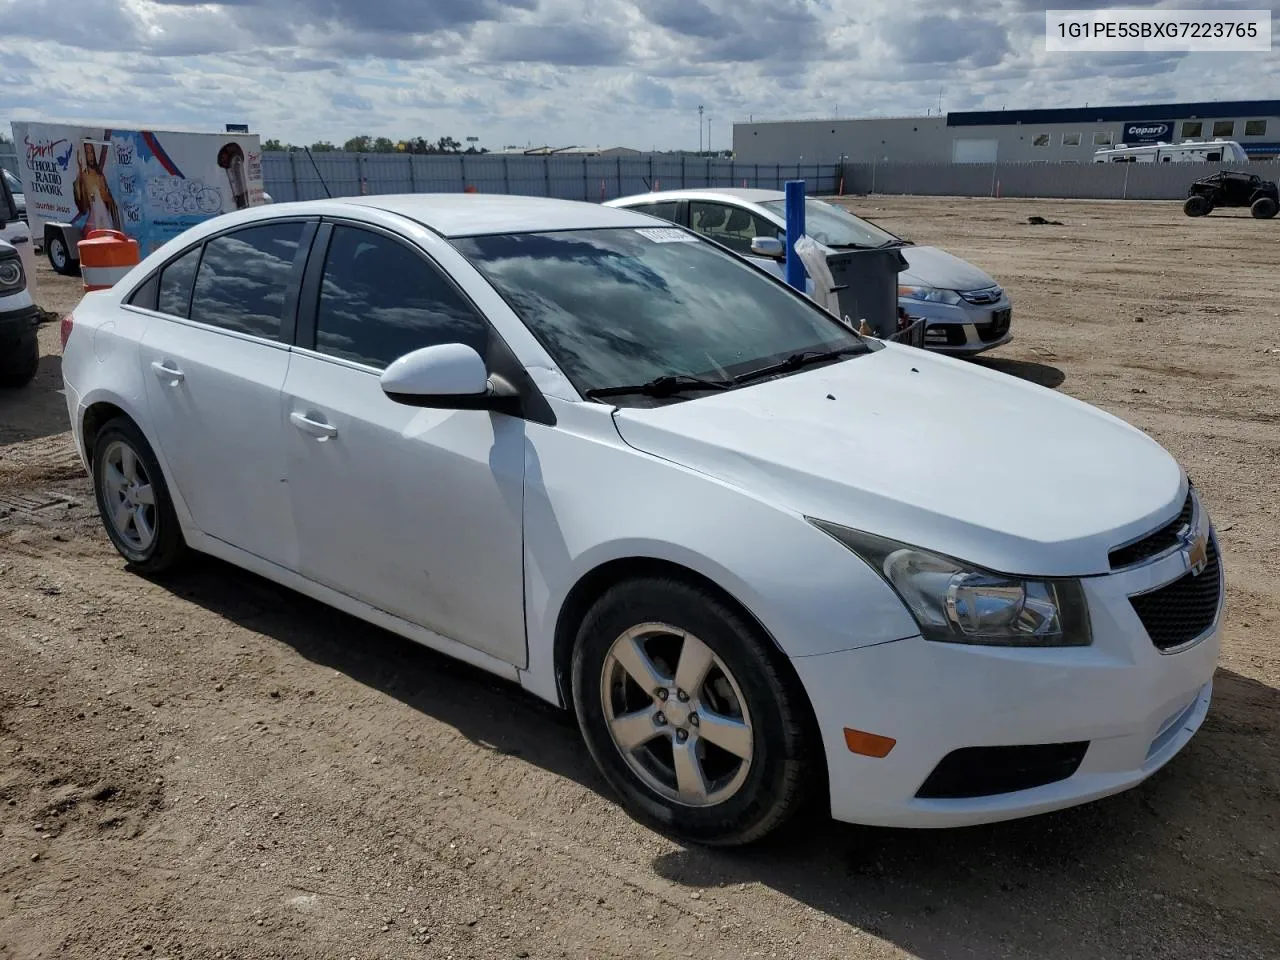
623	306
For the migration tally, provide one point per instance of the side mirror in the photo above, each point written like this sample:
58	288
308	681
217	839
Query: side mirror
448	376
770	247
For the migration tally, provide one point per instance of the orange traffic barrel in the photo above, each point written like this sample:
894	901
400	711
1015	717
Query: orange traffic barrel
105	257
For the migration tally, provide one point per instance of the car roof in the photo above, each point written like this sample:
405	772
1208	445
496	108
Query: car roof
465	214
746	194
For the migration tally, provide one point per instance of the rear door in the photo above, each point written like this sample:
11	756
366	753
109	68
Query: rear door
213	375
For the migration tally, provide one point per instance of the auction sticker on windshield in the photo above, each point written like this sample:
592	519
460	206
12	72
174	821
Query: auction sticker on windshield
667	235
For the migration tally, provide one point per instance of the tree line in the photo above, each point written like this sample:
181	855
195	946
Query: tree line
367	144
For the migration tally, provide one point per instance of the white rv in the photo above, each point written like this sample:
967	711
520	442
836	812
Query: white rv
1187	151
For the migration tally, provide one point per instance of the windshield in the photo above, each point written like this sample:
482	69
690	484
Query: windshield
835	226
615	307
14	183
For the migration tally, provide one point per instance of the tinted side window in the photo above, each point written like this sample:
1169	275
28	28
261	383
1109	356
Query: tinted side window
732	226
243	278
175	284
145	294
380	300
667	209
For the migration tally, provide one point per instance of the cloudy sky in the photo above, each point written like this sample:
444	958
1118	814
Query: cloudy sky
586	72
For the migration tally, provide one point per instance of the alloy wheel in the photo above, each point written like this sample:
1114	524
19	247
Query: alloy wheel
129	496
676	715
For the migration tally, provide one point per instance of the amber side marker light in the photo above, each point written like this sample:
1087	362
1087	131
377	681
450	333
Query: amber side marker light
868	744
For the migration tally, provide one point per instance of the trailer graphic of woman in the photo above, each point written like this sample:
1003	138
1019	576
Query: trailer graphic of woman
92	195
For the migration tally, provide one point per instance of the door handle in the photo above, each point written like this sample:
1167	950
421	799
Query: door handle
316	428
164	372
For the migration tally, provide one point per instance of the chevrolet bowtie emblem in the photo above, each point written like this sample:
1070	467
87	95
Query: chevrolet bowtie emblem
1196	551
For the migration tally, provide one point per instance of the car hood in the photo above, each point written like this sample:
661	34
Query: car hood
931	267
931	451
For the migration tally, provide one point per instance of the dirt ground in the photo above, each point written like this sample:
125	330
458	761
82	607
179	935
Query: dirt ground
212	766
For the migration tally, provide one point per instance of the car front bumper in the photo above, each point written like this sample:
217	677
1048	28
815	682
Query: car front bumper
1126	705
964	328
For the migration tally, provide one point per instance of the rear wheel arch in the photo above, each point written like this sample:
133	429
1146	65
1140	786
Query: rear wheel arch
101	412
96	416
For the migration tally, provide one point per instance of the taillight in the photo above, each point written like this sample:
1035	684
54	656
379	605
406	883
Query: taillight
65	330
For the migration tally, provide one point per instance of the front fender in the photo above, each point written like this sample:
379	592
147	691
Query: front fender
591	500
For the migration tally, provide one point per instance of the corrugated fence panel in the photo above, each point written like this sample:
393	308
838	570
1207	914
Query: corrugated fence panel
297	176
385	173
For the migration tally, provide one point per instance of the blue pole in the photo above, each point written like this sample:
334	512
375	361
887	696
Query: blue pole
795	230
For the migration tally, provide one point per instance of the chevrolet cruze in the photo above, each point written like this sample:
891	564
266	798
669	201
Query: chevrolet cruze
595	454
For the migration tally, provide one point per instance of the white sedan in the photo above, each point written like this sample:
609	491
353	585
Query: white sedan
597	455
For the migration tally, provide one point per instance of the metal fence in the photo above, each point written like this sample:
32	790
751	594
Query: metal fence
1089	181
297	176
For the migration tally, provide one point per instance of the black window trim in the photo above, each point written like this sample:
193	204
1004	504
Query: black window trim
502	360
289	320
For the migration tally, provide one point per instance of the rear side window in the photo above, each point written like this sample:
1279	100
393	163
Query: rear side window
667	210
380	300
176	280
244	277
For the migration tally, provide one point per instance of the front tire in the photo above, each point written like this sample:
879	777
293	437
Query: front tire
20	369
1264	208
134	500
692	716
1197	206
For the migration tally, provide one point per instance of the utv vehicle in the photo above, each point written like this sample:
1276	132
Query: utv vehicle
1232	189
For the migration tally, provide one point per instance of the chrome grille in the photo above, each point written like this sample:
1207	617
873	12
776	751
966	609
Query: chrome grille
987	295
1153	543
1184	610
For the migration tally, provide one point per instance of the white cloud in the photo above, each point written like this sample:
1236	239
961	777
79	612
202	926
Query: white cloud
561	71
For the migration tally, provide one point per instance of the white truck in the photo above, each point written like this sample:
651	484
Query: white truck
1185	151
19	317
149	184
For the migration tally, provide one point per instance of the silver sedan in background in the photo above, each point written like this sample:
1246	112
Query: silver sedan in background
966	311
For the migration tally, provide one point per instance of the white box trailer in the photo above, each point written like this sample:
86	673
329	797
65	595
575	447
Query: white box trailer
149	184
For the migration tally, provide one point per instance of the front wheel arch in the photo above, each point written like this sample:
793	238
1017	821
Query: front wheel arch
592	585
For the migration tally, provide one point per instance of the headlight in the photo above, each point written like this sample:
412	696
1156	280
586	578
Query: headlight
929	294
956	602
11	275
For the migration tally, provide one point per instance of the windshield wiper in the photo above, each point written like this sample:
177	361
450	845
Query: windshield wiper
895	243
664	386
797	360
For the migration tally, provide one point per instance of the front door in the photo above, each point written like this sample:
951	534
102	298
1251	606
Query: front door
414	511
213	375
735	227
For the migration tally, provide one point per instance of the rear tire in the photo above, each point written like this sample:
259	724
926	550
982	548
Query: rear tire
1264	208
676	775
20	369
133	499
1197	206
